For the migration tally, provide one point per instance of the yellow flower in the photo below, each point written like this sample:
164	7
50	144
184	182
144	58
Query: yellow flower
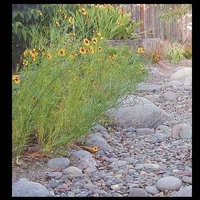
99	34
48	55
140	50
120	23
94	40
60	10
85	100
121	13
33	53
86	42
90	69
83	11
75	78
15	78
91	50
73	55
82	50
112	56
65	16
25	53
57	24
141	67
71	20
25	62
99	48
39	12
61	52
33	58
94	83
156	58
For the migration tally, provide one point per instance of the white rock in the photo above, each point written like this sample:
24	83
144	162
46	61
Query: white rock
151	166
137	192
72	170
164	129
145	131
181	130
187	179
175	83
25	188
182	74
184	192
58	163
169	183
152	190
114	186
169	96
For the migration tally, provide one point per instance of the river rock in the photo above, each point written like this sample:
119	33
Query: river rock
181	131
101	143
58	163
169	96
137	192
138	112
183	192
26	188
169	183
182	75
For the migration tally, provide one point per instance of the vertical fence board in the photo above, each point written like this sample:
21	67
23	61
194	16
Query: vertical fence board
154	27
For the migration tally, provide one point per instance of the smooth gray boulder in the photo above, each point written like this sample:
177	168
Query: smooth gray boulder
137	112
181	131
168	183
183	192
25	188
183	75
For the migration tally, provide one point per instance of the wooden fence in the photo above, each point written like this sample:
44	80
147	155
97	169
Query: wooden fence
154	27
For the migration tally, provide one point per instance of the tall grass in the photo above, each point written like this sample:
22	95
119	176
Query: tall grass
66	85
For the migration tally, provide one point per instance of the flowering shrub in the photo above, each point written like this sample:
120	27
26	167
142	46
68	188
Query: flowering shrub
67	83
110	21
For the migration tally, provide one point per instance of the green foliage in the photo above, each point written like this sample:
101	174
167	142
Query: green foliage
69	77
25	20
108	20
63	90
175	53
29	15
79	21
187	52
174	14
